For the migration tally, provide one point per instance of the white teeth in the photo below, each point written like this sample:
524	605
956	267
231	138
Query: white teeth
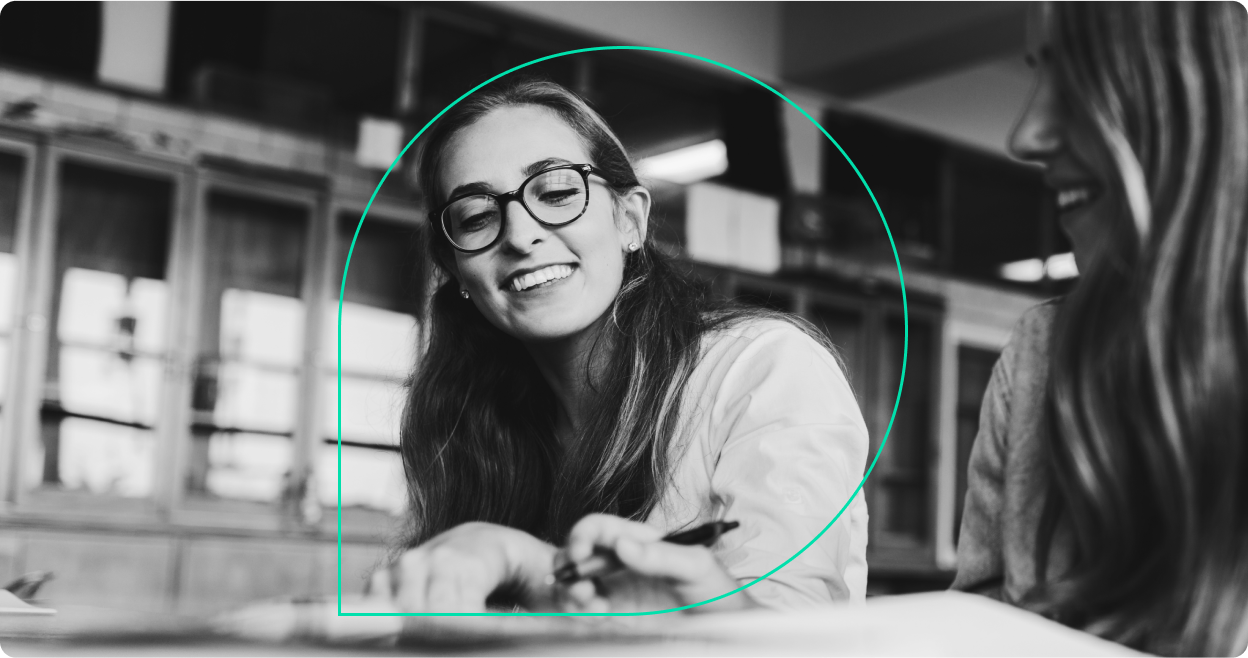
1072	197
543	275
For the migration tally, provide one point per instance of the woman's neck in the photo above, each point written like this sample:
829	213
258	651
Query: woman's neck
566	366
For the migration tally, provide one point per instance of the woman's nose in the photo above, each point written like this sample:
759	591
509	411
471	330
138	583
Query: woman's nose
1037	135
520	231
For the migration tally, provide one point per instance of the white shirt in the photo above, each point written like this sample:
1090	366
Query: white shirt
771	436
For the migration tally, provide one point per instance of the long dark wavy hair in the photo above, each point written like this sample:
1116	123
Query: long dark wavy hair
1147	411
478	431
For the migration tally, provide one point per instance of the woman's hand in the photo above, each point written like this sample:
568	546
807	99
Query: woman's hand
457	570
657	575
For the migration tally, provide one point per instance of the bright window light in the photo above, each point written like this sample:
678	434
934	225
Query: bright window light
1061	266
1026	271
1057	266
687	165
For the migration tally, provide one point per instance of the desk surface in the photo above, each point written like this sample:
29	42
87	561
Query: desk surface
944	623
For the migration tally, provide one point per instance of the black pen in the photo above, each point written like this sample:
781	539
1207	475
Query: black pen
603	563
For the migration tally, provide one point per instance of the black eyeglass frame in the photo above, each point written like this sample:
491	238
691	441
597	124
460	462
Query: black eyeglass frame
505	198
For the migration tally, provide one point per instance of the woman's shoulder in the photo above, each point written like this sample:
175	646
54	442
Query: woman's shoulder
1028	348
755	327
1036	323
760	377
759	337
739	354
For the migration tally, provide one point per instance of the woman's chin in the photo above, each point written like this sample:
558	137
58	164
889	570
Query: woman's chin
550	319
1087	227
548	327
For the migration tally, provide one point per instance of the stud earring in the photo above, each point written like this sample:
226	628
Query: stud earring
632	246
464	294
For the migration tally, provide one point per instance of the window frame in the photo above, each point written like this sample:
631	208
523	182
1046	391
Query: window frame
356	521
20	145
284	513
34	305
168	508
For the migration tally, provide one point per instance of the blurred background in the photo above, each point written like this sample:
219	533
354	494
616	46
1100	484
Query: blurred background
180	184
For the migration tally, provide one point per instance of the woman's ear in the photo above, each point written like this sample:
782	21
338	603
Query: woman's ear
449	267
634	208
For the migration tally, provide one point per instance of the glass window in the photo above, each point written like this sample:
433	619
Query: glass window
250	348
900	504
378	346
11	168
105	357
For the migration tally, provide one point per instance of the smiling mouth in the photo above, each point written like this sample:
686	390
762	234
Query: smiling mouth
543	277
1069	198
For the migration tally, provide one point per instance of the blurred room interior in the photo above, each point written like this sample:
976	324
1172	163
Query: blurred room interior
180	184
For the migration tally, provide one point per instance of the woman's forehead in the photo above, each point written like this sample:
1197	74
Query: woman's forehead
501	144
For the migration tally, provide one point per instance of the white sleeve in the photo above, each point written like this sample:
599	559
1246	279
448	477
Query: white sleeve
794	451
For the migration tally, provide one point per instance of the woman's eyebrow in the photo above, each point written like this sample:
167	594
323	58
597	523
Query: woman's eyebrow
469	188
479	187
535	167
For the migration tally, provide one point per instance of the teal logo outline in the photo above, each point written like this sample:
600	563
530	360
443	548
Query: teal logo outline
342	291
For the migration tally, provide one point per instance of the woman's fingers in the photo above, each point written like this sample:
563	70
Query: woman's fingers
582	592
457	570
412	577
441	580
454	590
691	572
663	560
576	597
605	530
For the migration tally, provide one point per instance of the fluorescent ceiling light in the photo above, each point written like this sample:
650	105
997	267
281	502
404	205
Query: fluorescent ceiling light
687	165
1057	266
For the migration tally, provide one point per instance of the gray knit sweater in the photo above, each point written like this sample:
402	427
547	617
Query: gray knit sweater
1006	480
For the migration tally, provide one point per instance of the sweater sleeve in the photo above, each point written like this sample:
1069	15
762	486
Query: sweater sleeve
794	450
980	560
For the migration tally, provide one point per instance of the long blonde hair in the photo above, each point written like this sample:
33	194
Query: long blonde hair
1148	391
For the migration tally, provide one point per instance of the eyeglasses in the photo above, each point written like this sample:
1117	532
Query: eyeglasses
556	196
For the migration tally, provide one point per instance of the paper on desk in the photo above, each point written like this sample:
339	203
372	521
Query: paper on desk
11	605
318	621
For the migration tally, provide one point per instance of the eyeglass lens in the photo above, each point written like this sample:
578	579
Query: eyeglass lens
554	197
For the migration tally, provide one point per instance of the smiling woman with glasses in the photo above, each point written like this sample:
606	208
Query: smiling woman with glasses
580	396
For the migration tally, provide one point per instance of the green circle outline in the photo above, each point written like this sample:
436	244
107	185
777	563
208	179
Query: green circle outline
342	291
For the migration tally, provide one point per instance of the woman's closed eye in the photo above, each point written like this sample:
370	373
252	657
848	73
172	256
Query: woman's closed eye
477	222
559	197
